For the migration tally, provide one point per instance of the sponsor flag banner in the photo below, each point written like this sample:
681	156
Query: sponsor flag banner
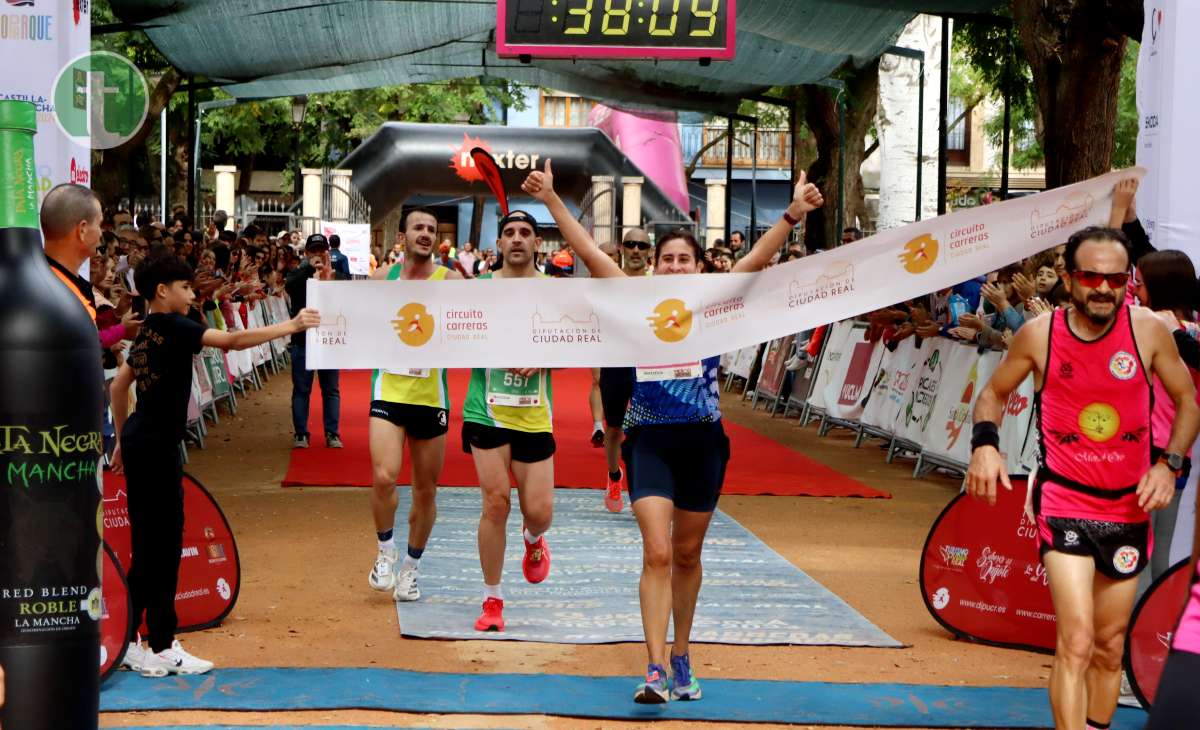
981	576
572	323
356	244
1151	629
209	570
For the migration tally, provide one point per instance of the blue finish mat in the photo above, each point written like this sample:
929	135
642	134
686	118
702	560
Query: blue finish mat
750	595
725	700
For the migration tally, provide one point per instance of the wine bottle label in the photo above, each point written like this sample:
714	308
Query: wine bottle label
18	179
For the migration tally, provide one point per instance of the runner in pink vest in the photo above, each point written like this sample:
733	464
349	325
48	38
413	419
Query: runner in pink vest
1093	364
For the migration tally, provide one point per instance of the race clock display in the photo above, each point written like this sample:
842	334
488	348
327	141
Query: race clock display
670	29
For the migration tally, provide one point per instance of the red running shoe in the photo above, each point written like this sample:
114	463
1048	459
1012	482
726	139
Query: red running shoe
536	565
612	494
492	618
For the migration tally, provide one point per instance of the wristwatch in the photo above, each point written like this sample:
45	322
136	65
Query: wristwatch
1174	462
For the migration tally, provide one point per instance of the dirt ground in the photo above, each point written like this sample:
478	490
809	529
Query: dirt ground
305	553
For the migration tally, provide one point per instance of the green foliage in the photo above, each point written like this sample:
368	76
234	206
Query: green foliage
1125	148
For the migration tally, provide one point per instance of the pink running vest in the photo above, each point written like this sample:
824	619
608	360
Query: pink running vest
1094	423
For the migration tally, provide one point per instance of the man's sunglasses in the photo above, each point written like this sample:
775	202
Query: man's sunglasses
639	245
1092	279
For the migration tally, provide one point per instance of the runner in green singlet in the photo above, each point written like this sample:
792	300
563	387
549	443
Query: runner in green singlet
507	425
412	402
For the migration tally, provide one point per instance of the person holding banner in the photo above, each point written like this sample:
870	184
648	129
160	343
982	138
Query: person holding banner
413	403
508	426
160	367
675	446
1093	365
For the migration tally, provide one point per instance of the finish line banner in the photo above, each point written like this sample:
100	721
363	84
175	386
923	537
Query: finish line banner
414	325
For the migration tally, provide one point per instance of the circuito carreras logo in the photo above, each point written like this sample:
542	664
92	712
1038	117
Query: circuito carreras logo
919	254
413	324
671	321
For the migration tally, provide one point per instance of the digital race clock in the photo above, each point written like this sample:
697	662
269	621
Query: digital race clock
669	29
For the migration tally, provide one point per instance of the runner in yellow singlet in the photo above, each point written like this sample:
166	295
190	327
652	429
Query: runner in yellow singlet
413	402
507	425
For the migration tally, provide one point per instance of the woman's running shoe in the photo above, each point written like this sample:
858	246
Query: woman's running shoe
684	685
655	690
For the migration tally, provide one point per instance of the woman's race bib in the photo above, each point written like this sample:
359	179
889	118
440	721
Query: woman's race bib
506	388
679	371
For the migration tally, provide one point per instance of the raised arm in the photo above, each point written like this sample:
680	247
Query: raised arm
805	197
540	185
119	398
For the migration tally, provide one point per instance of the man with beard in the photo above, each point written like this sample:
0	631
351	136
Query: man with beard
507	427
616	384
1093	365
412	402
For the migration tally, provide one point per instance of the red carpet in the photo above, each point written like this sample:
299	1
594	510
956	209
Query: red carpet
758	465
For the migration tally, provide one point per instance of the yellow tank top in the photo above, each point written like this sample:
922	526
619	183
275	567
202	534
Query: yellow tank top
412	386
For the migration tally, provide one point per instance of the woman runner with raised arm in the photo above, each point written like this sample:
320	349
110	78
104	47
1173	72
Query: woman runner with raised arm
675	446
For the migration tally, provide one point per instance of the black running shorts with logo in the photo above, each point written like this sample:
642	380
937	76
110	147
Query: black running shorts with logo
616	388
683	462
527	448
1121	549
419	422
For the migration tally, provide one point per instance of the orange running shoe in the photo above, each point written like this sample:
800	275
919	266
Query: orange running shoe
492	618
612	493
536	565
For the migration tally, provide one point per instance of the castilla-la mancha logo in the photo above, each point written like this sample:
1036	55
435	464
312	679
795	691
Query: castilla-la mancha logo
413	324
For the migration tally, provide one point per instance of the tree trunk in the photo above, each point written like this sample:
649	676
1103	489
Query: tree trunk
1075	52
821	116
110	168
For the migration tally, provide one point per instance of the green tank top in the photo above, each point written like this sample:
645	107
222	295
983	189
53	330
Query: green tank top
502	399
412	386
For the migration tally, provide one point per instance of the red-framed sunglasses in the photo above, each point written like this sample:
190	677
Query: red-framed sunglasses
1092	279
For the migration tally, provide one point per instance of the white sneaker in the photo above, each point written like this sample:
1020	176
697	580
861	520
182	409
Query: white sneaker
406	585
383	573
135	656
173	661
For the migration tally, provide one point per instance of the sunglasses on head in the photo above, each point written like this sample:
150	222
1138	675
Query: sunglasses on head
639	245
1092	279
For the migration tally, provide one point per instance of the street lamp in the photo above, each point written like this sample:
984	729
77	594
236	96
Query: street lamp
299	106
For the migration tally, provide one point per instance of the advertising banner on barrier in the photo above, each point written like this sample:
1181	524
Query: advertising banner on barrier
881	385
572	323
949	433
846	394
831	360
356	244
741	361
209	572
927	381
770	380
906	361
981	576
1015	428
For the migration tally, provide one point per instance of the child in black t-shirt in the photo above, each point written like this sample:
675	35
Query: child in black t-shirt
160	363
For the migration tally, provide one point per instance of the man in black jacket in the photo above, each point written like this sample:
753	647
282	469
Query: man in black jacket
315	265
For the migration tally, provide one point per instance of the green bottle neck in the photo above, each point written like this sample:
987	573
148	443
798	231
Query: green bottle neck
18	180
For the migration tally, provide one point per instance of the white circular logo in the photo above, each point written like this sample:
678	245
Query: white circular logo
223	589
1123	366
941	598
103	655
1126	559
1071	537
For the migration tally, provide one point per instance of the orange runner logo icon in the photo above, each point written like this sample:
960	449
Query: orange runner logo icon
413	324
671	321
919	254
